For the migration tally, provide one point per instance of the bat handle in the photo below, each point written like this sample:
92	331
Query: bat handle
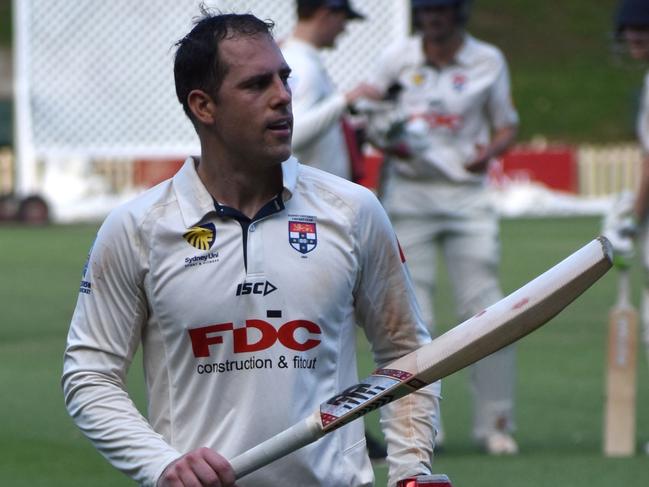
300	434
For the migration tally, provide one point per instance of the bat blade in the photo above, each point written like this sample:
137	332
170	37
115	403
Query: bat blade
620	403
497	326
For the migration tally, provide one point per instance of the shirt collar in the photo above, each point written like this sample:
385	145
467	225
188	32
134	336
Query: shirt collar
467	51
307	47
195	201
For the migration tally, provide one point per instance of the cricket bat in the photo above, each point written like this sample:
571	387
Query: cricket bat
495	327
619	415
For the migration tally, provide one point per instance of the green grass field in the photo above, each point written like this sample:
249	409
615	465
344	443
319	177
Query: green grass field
560	373
569	80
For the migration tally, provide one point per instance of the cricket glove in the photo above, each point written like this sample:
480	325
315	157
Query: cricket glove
392	131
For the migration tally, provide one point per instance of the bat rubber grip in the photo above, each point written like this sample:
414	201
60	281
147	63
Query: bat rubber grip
300	434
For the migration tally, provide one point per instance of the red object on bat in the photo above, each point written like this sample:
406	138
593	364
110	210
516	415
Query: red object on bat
436	480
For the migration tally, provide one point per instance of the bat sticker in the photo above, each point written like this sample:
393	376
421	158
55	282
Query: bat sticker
354	397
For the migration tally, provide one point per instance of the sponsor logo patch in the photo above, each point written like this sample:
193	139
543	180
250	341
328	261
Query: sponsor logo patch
302	233
201	236
198	260
255	336
459	81
418	79
86	286
263	288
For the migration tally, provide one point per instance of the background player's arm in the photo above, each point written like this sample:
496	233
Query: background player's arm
314	114
502	140
389	314
641	205
503	116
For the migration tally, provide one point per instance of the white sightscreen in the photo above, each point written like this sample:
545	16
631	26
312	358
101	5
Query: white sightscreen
95	77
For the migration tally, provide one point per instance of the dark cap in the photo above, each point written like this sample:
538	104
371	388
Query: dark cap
435	3
632	13
334	5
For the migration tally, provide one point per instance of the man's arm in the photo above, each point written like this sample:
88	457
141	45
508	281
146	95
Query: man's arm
390	316
104	335
313	113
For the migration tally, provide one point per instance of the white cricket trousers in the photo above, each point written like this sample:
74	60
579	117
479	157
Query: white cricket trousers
458	223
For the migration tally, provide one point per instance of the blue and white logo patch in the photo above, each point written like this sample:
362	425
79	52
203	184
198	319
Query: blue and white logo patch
302	233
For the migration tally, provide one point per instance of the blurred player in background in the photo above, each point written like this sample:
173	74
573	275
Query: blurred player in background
319	108
452	114
632	28
243	277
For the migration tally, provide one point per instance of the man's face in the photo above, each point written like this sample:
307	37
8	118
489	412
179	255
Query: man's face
437	24
254	121
637	41
335	21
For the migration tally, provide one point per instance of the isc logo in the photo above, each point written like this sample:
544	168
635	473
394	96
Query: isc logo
266	335
255	288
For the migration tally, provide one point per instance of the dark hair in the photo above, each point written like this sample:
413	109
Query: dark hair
196	64
307	9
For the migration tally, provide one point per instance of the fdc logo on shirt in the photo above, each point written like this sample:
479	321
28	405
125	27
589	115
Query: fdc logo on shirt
296	335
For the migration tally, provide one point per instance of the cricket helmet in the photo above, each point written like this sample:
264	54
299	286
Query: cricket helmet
632	13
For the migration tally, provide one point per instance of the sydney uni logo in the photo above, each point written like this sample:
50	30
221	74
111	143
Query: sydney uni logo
201	236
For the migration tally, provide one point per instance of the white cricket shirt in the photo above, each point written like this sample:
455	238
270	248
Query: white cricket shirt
318	138
453	108
246	325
